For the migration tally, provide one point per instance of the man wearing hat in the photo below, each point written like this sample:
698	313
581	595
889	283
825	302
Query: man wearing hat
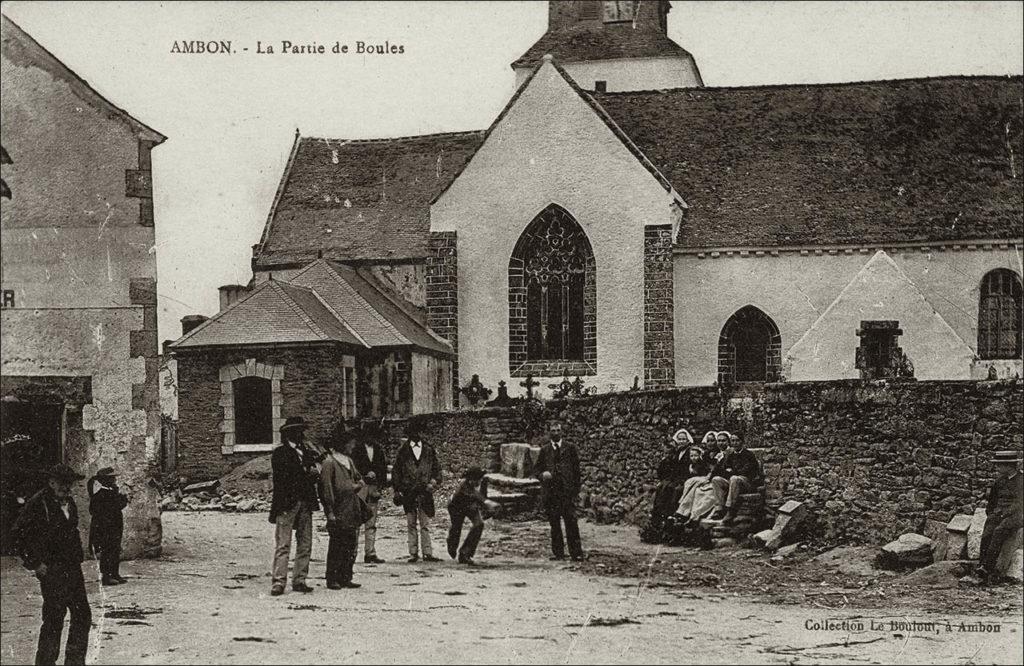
46	534
1005	511
295	476
558	468
107	526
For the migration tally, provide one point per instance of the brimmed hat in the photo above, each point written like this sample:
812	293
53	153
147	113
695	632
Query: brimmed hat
294	423
473	473
64	473
682	436
1011	457
106	471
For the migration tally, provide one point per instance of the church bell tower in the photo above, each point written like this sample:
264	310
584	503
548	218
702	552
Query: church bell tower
613	46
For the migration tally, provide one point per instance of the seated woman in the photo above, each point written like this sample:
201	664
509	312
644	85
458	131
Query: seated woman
699	499
673	471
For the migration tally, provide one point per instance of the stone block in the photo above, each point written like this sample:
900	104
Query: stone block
768	539
956	546
960	523
974	534
936	531
517	460
909	551
1010	557
204	487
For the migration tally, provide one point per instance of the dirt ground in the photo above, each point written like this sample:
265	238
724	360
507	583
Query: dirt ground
206	601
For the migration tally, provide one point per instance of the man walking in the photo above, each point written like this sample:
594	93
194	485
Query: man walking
558	468
372	463
46	534
737	472
417	474
295	477
107	524
1005	511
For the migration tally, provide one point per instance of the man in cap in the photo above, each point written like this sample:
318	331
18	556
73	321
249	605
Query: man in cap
46	534
295	476
1005	510
467	503
107	526
416	475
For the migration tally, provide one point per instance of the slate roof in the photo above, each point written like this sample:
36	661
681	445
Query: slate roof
360	199
274	313
377	315
326	302
582	42
889	161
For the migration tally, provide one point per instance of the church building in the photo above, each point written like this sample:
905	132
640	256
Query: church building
623	223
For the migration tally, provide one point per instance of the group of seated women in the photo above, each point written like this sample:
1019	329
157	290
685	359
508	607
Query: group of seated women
686	493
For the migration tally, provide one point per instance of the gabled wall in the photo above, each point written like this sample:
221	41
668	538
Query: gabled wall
551	147
79	257
795	289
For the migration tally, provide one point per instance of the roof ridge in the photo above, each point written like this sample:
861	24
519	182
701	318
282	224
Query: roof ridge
218	315
835	84
398	302
324	264
297	309
408	137
603	115
366	305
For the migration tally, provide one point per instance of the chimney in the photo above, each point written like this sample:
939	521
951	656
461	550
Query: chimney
190	322
231	293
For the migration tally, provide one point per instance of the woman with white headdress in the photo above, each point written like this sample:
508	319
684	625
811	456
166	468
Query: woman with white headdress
673	471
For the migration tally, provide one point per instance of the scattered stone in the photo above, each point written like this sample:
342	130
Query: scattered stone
168	504
974	534
909	551
727	542
205	486
956	537
246	505
936	531
786	551
941	575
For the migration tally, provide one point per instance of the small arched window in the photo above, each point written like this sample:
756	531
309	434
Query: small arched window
999	315
253	410
749	348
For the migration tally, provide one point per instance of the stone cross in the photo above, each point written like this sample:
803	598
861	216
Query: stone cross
528	384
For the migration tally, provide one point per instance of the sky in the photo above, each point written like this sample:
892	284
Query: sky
231	119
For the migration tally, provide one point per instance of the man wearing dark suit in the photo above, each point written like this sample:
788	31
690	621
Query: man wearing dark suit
46	534
106	527
295	475
371	461
737	472
416	475
558	468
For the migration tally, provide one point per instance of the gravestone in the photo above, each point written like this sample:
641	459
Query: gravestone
974	534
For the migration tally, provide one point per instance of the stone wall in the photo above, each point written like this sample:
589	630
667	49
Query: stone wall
309	388
872	459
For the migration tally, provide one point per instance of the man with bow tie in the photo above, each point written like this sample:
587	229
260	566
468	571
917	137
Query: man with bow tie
558	468
416	475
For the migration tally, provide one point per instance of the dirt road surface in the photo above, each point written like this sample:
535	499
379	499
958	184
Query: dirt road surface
207	601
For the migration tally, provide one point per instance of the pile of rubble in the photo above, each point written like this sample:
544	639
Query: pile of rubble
246	488
209	496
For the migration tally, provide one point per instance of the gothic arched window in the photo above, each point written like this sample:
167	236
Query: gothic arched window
999	315
552	298
749	348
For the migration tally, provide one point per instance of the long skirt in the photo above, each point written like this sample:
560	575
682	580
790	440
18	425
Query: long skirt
700	497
